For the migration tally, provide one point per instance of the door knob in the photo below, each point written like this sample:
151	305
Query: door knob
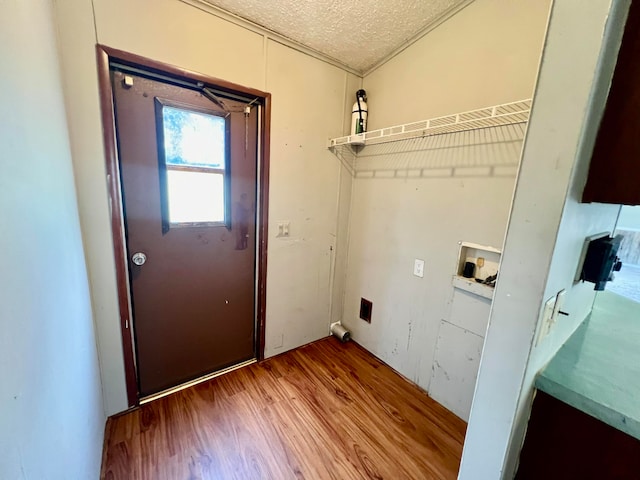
139	258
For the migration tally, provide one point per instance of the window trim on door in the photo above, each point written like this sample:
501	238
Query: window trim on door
104	56
163	167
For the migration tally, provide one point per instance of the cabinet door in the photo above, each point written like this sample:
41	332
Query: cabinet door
614	174
565	443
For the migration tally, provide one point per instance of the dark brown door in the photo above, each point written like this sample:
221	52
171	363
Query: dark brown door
188	166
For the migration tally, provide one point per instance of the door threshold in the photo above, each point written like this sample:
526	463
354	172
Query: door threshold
196	381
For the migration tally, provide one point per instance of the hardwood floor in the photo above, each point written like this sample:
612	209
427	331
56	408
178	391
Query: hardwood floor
324	411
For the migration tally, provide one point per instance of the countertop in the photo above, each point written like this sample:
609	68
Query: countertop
597	370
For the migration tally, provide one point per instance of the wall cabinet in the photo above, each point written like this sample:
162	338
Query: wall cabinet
614	174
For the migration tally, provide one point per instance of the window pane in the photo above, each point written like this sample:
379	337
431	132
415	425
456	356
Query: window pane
193	138
195	196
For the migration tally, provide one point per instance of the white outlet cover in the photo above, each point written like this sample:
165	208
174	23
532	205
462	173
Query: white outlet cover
547	319
558	304
283	229
418	268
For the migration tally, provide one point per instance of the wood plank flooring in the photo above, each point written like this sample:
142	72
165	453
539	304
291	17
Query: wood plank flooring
324	411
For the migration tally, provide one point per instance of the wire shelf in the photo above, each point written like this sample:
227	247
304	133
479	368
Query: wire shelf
496	116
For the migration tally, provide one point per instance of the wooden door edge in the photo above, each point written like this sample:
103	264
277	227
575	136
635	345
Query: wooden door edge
263	226
103	55
117	220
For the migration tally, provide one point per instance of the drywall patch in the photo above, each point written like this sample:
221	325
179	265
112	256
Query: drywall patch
455	368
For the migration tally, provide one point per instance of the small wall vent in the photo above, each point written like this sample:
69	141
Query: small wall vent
365	310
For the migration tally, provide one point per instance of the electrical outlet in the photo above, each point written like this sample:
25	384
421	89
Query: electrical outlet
558	304
547	319
418	268
283	229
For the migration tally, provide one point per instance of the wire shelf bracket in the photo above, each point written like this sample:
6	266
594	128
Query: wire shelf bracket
499	115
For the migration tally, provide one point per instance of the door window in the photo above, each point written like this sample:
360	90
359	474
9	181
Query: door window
194	160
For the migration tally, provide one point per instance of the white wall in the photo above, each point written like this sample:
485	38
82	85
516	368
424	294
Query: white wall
305	178
51	412
304	186
545	235
420	201
578	222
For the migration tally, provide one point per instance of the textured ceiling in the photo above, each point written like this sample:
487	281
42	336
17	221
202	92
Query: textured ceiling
357	33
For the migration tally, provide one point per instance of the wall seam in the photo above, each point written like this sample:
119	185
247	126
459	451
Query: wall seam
269	34
90	285
338	202
448	14
265	63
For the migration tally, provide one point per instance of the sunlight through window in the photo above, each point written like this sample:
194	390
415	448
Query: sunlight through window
195	160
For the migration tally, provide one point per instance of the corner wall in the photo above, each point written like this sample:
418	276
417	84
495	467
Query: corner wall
419	199
546	232
51	411
579	221
307	182
484	55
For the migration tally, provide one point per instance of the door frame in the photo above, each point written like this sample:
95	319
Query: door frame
104	56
